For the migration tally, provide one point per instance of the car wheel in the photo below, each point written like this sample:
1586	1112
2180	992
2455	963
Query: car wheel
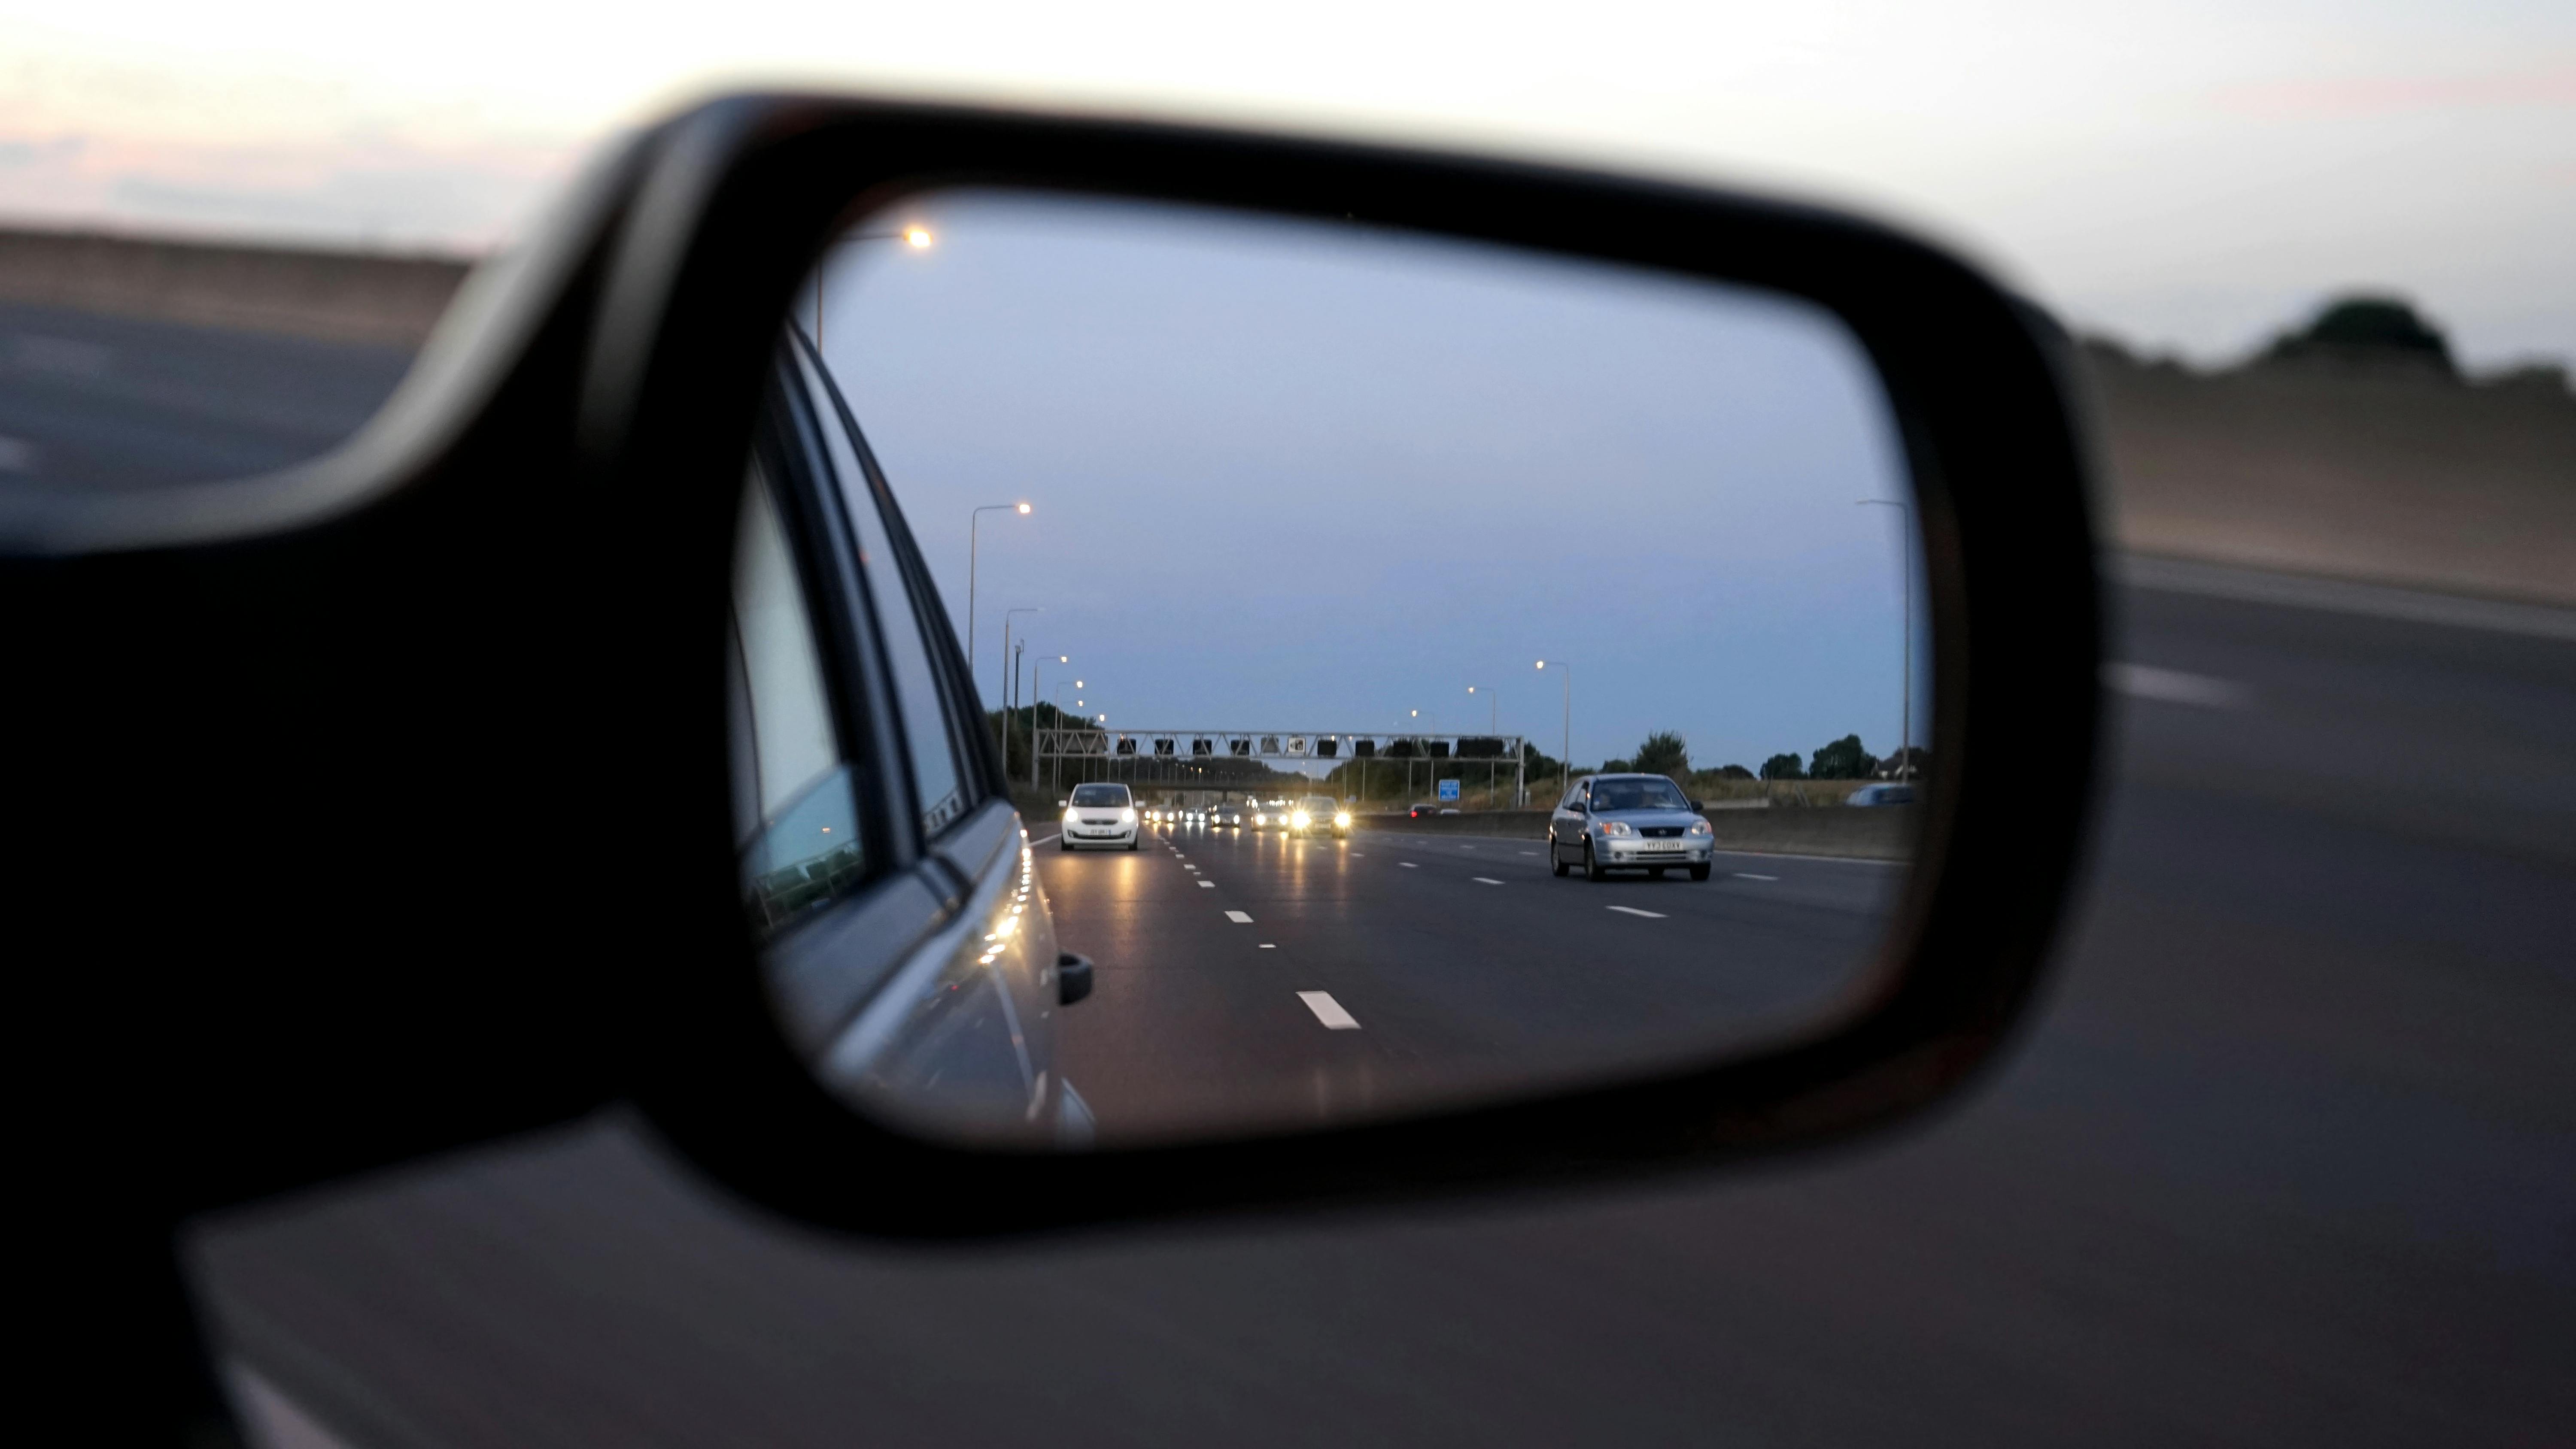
1699	872
1592	867
1064	845
1131	845
1556	859
1654	872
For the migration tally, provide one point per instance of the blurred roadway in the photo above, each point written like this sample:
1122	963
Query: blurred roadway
2288	1156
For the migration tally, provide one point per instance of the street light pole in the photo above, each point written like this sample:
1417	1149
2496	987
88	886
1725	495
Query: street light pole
1037	691
1493	726
1565	767
974	519
1010	677
1905	737
1059	724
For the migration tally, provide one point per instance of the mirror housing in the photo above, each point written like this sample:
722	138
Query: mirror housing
581	423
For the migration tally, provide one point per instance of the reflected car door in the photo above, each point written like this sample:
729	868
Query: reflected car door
965	1030
1565	827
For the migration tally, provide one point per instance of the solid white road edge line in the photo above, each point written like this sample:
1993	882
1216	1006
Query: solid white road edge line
1484	880
1328	1011
1748	875
1633	911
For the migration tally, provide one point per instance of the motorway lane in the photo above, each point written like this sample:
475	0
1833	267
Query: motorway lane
90	401
1468	969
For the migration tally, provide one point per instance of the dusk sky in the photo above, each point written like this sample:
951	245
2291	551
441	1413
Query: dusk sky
1298	476
2186	174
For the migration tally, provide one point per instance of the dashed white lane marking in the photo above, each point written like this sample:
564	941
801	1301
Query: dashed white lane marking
2173	686
1207	885
1633	911
1328	1011
1748	875
1484	880
1529	852
1408	865
1239	918
1361	854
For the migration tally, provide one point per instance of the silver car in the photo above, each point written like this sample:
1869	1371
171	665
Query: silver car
1628	822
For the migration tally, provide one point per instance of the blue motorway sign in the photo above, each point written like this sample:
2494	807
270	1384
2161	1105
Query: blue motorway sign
1448	789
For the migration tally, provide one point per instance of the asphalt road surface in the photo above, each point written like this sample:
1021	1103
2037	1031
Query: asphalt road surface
2288	1156
1244	977
114	402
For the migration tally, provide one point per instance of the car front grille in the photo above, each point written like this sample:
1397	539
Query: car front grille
1660	832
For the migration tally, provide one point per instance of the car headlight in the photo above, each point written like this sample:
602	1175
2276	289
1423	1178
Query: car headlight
1617	827
1127	816
1301	820
1343	820
1699	827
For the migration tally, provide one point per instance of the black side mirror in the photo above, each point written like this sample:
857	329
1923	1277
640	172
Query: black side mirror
586	422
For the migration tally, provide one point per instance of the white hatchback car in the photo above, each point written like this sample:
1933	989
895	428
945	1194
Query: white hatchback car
1099	814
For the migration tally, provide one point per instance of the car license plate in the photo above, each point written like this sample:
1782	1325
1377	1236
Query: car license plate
1663	845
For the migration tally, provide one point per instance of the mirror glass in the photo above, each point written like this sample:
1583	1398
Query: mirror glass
1199	673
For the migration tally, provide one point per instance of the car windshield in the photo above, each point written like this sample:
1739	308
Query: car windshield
1099	794
1316	805
1650	793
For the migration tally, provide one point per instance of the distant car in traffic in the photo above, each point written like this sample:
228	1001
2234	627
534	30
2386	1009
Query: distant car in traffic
1426	808
1318	813
1225	816
1628	822
1882	795
1099	814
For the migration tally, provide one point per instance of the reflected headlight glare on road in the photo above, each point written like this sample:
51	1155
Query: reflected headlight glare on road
1617	827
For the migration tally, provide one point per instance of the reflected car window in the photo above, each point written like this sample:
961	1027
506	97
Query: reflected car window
940	785
797	825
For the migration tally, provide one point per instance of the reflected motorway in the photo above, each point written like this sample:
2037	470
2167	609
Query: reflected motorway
1444	964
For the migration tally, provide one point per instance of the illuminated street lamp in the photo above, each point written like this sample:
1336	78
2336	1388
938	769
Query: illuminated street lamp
915	237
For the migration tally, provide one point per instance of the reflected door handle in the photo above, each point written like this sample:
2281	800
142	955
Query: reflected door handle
1072	977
